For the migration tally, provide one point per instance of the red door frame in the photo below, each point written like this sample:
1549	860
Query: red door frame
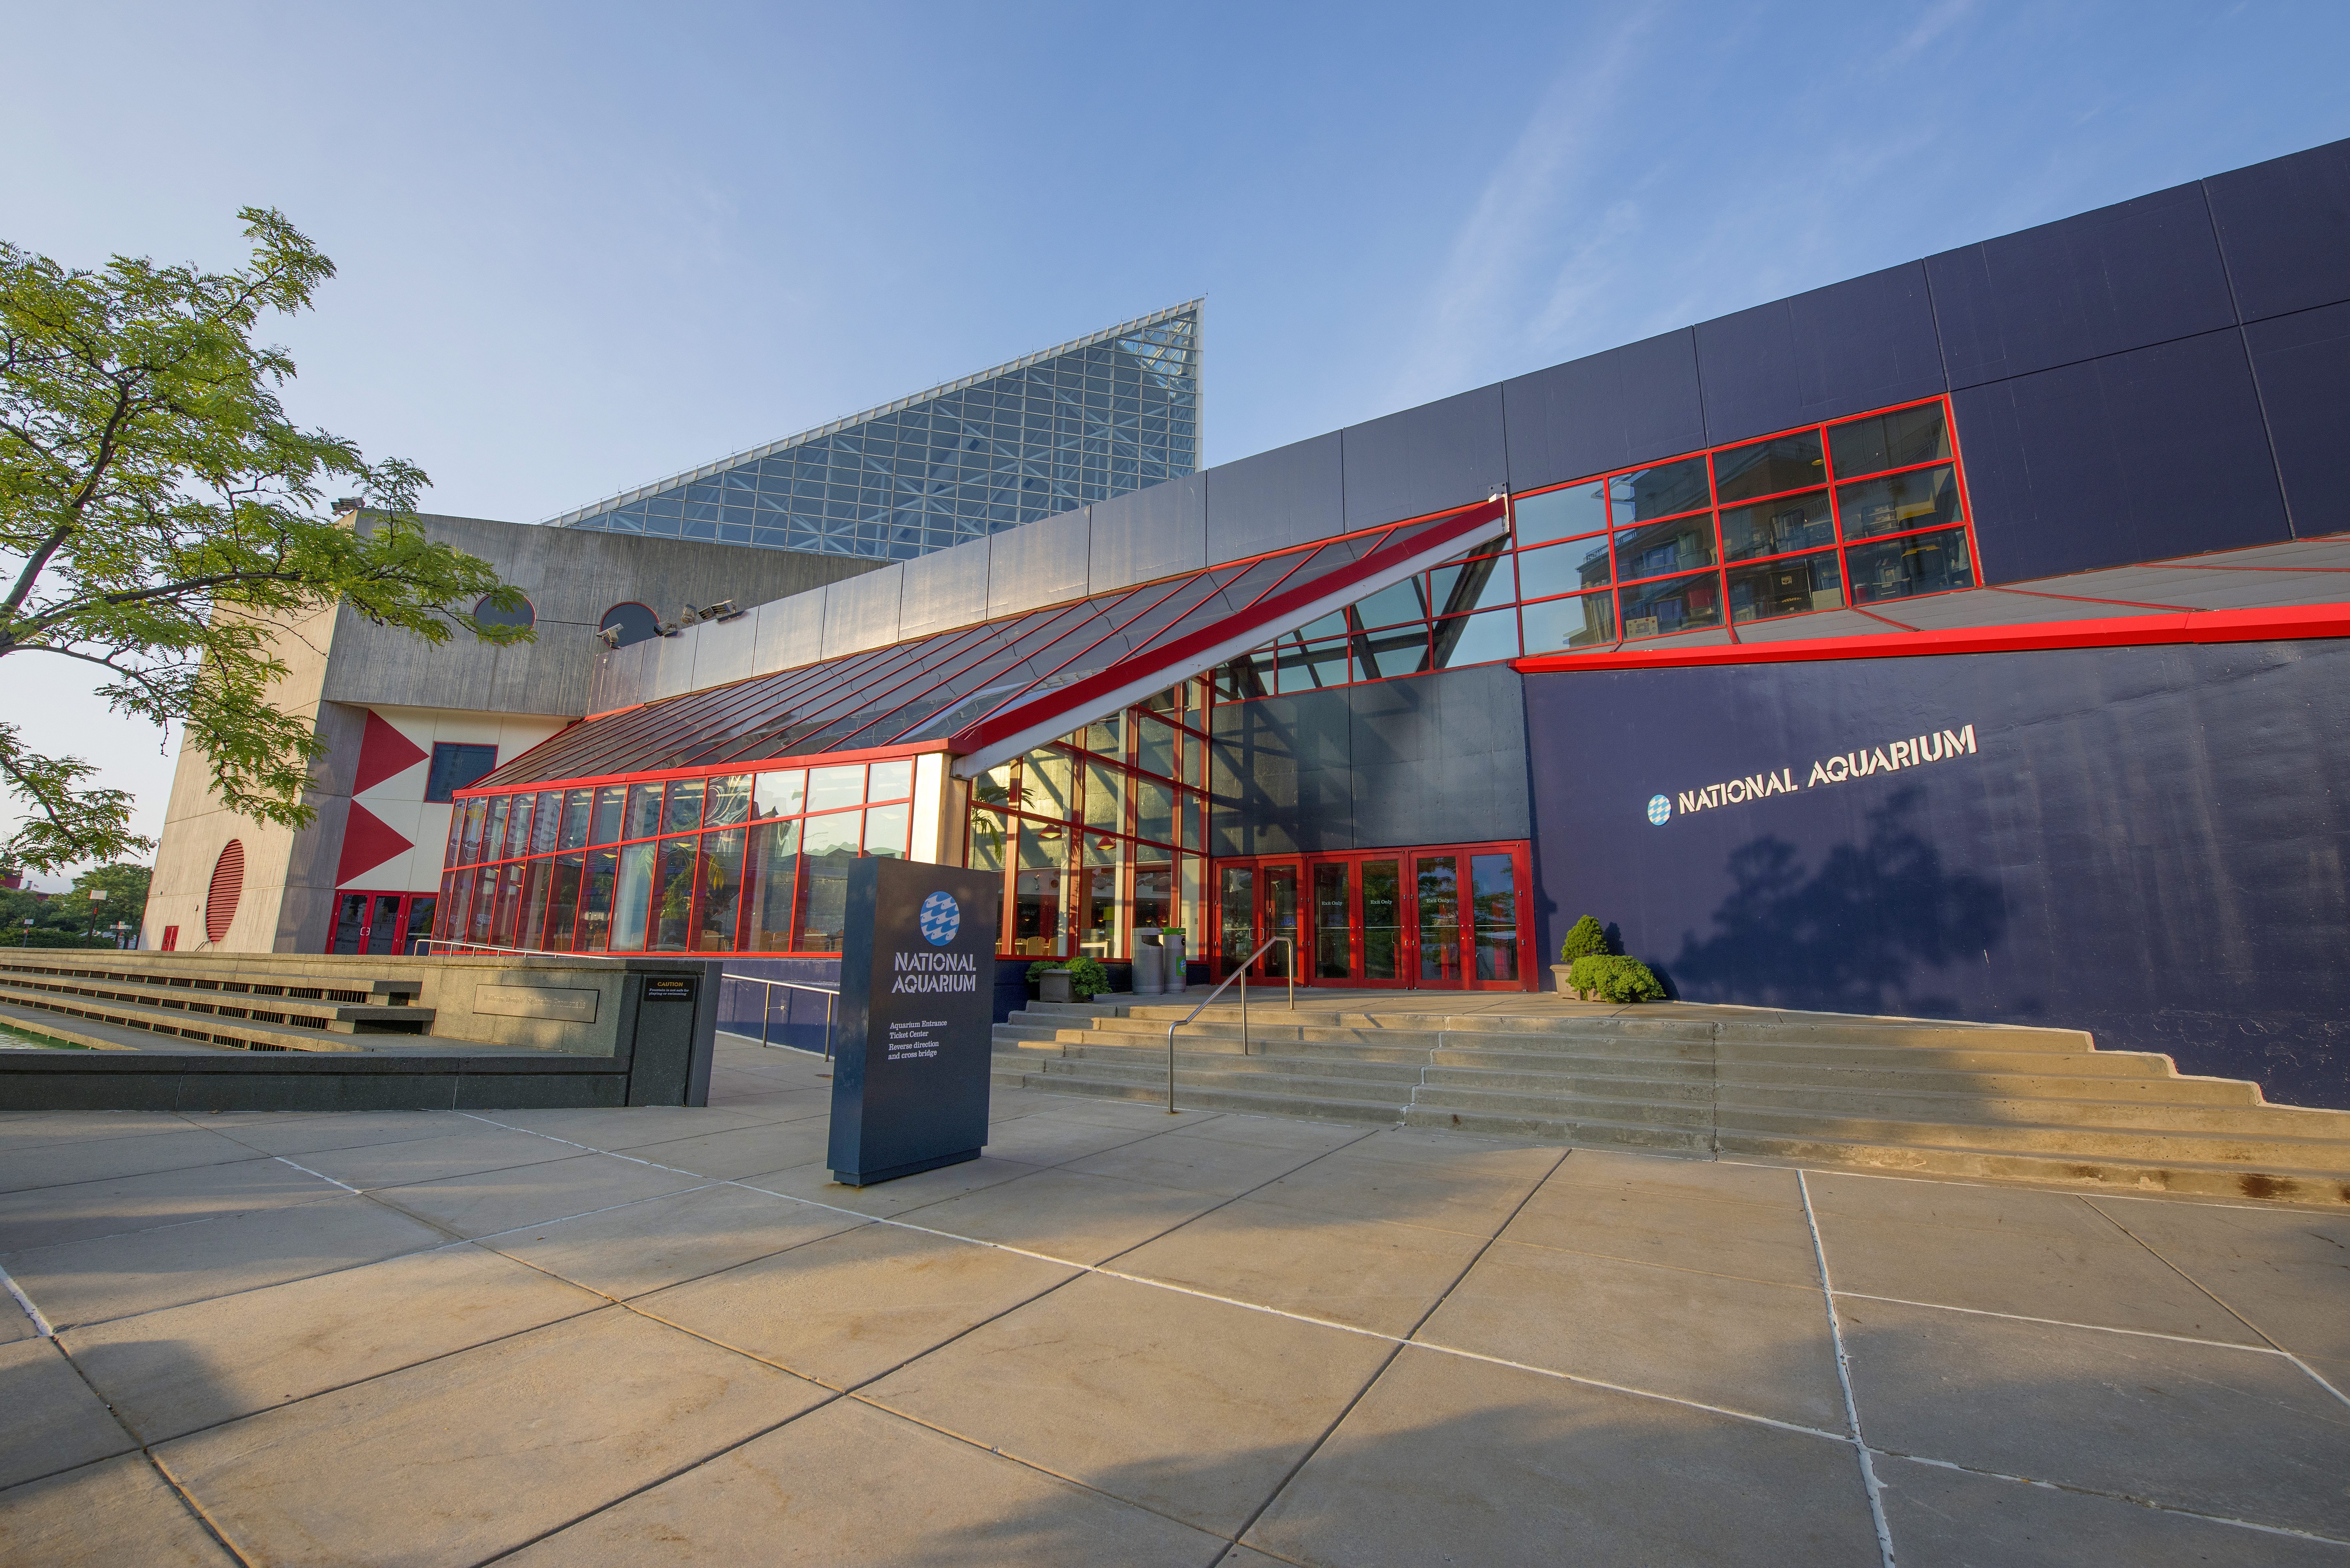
401	911
1409	955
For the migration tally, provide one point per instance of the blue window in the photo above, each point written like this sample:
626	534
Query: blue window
454	767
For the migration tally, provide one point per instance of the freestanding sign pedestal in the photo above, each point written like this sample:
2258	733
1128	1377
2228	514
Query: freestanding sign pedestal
916	1023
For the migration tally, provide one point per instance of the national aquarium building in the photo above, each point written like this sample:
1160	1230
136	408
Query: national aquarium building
1968	640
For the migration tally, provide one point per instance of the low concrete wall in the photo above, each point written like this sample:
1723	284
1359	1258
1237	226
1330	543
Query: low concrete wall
507	1031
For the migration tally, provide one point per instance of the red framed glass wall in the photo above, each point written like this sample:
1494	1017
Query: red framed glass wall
1101	832
1450	917
1846	513
737	862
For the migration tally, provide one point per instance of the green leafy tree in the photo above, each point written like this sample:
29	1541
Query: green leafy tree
162	519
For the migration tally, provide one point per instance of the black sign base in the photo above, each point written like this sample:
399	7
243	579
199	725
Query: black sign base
915	1167
915	1040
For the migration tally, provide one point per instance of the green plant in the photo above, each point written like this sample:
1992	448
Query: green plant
1088	978
1585	939
1615	979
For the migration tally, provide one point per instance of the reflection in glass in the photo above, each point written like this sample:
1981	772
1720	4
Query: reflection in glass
1334	919
674	903
728	801
1493	882
1279	919
1439	886
1674	546
632	894
1682	604
987	835
1046	777
1785	588
1316	665
1097	913
1578	509
642	818
831	787
1382	921
886	827
493	837
470	837
595	901
533	935
1393	605
1922	563
831	833
1236	900
778	794
721	891
892	780
1777	527
1580	622
548	816
1563	569
1154	747
1897	440
1921	498
1657	491
420	923
824	897
1768	467
683	814
1107	735
1154	810
1154	898
1399	651
1480	580
770	866
576	804
563	903
1105	797
509	906
606	825
1475	638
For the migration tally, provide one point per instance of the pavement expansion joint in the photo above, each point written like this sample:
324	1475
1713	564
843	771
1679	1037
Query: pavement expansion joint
2135	1501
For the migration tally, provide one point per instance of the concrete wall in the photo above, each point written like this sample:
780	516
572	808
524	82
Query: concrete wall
340	665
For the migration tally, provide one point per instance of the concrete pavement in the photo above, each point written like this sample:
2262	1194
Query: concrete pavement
660	1336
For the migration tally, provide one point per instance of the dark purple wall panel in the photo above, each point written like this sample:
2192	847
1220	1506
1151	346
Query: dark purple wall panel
2303	365
2284	226
2148	844
2116	279
1853	346
1633	404
1423	460
2133	457
1290	496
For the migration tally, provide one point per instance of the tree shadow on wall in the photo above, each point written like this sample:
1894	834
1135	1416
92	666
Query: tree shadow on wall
1851	937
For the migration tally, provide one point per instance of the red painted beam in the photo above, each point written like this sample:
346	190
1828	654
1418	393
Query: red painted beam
2285	624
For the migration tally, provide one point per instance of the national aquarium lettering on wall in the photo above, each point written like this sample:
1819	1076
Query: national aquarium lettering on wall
1892	756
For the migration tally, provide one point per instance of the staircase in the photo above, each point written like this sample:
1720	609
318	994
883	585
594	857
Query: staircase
1898	1094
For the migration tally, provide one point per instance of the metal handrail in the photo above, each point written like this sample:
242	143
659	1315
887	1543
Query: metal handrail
767	1003
1242	976
766	998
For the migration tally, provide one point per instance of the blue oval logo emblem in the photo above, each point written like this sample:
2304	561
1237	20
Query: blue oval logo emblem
941	918
1661	810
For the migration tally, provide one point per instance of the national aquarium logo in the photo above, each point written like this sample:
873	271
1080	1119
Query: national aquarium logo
1914	751
940	919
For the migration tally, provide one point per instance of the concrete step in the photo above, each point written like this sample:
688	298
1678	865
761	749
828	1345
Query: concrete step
2144	1175
2282	1150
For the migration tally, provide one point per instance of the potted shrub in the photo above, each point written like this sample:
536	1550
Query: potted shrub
1585	939
1079	980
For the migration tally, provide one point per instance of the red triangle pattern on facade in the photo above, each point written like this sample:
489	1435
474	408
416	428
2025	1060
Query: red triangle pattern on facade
383	751
367	842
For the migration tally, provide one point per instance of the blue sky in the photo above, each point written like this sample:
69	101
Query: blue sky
583	246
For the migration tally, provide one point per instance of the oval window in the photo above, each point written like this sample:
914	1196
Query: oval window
521	615
634	622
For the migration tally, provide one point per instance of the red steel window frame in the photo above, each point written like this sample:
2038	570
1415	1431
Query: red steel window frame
463	917
1520	853
1340	654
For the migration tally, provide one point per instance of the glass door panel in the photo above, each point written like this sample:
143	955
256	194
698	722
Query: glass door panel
420	922
1382	921
1236	901
1493	880
383	924
1435	883
1334	922
350	922
1280	909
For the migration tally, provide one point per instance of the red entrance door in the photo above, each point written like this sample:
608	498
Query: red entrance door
381	922
1442	917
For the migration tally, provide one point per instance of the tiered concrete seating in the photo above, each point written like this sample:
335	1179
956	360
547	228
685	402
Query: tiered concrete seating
2041	1104
246	1009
